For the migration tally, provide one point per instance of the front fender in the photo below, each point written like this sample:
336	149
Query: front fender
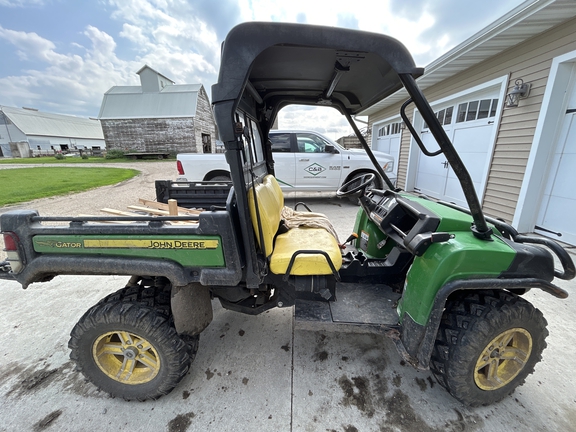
418	340
463	257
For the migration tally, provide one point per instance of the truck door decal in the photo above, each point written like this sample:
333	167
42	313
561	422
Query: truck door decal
315	169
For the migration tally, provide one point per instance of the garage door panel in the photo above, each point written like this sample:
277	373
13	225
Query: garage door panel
570	142
454	193
430	183
558	207
474	163
431	175
553	168
383	145
432	165
566	177
474	139
390	145
395	151
559	217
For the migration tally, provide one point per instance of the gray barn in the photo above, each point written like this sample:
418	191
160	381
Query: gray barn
158	115
26	132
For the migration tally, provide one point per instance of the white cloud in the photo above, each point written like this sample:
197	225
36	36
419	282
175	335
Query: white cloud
170	37
181	39
21	3
29	45
135	35
68	83
164	34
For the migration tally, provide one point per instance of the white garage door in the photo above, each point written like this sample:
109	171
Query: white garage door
470	126
558	211
388	138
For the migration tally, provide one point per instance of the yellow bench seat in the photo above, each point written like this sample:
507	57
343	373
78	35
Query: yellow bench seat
304	239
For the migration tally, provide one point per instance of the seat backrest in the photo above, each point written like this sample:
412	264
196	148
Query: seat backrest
270	200
276	188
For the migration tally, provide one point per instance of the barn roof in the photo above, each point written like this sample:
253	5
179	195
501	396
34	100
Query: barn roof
34	122
129	102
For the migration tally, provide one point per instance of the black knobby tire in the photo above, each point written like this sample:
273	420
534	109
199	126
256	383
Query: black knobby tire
154	358
157	297
472	358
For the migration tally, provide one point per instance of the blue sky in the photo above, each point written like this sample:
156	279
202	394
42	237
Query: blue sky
61	55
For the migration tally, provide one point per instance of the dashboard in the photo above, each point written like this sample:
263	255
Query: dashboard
404	221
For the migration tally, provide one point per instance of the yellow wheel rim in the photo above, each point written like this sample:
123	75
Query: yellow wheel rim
126	357
503	359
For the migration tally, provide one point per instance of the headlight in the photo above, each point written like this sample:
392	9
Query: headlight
388	166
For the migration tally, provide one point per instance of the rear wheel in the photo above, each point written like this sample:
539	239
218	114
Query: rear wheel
156	296
129	350
487	344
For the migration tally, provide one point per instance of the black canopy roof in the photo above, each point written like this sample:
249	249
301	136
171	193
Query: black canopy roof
311	64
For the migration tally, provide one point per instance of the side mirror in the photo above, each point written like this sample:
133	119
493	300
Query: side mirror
329	148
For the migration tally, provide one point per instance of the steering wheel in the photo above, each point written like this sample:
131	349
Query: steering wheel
348	188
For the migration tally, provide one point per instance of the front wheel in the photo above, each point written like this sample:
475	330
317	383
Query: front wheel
129	350
487	344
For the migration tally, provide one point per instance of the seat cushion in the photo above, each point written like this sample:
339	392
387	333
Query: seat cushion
305	239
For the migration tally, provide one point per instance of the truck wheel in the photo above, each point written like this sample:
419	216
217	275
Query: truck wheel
221	178
487	344
129	350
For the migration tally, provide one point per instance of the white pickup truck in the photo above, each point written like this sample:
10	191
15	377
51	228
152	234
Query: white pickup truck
303	161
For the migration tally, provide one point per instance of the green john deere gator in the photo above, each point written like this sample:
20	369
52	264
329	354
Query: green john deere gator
457	276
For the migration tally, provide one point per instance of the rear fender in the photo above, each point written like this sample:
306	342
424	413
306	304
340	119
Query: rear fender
44	266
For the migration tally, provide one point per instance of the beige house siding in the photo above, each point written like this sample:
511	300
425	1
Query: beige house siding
529	61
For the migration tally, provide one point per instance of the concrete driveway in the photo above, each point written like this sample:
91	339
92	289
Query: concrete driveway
262	373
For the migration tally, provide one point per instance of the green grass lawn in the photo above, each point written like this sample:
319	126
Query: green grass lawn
25	184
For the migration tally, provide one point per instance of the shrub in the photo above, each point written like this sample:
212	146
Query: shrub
84	156
59	156
115	154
